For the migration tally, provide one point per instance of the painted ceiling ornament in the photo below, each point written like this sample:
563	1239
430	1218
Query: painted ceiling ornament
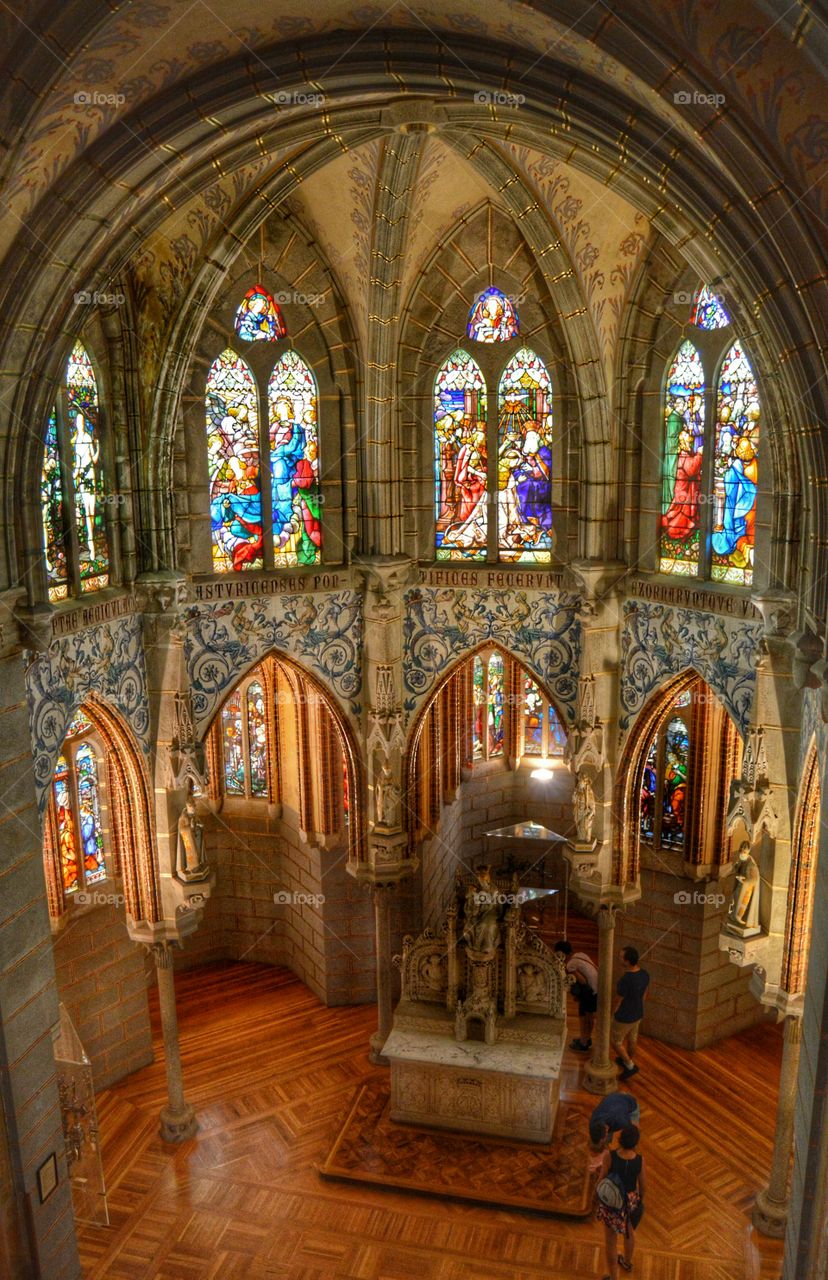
259	318
493	317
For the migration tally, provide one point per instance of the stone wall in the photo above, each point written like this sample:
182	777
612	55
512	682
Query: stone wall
102	979
697	996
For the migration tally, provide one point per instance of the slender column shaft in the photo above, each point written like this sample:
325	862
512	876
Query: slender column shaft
178	1120
600	1074
382	925
770	1212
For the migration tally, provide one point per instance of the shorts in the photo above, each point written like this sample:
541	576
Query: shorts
587	1002
620	1031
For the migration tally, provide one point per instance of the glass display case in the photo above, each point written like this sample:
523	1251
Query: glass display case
80	1126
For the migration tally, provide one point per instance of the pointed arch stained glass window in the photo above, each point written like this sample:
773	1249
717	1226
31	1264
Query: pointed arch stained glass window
708	310
735	470
76	809
495	701
479	709
294	462
67	835
493	317
233	464
680	537
89	816
257	738
524	463
533	715
259	318
460	464
87	470
232	737
55	532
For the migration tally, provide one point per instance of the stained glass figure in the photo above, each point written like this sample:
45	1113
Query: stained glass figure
89	817
679	542
87	470
493	318
557	735
346	792
294	462
479	705
649	784
708	310
674	793
257	738
533	711
258	318
735	471
232	735
524	462
233	464
54	515
460	459
495	706
67	838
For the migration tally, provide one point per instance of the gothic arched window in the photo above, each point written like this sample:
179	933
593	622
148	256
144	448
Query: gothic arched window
244	742
524	453
74	816
708	310
543	733
233	464
488	705
460	464
710	468
73	486
492	317
664	784
294	462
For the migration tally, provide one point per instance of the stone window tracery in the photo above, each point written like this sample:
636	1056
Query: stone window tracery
74	828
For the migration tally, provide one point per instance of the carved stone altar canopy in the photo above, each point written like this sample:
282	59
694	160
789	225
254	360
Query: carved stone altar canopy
478	1033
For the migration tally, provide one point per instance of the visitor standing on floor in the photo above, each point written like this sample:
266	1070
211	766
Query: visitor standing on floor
620	1197
615	1112
631	992
585	991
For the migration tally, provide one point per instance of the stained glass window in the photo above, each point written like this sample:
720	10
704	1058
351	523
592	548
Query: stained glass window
533	715
649	787
674	795
294	462
495	705
460	459
708	310
259	318
680	538
87	470
89	815
479	712
557	735
346	792
257	738
524	461
76	812
233	464
493	318
67	837
736	471
55	532
232	736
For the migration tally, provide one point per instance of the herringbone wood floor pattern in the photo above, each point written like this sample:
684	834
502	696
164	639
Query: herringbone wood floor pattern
271	1072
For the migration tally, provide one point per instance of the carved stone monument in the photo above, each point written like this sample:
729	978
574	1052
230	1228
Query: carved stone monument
743	912
478	1034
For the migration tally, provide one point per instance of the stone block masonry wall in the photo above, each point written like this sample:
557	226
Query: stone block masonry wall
102	978
697	996
281	901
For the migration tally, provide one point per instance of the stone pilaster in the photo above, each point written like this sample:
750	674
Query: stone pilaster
178	1120
600	1075
382	896
770	1212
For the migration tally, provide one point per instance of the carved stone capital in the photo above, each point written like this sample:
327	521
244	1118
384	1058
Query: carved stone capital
34	627
384	574
164	591
778	610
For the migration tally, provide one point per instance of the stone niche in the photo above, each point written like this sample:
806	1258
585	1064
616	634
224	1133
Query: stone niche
479	1031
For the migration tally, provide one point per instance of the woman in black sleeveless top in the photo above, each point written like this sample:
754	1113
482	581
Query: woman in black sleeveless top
628	1166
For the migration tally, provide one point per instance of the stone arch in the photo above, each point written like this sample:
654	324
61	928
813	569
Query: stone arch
802	878
629	774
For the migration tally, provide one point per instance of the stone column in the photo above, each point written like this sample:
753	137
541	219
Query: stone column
770	1212
601	1075
381	894
178	1120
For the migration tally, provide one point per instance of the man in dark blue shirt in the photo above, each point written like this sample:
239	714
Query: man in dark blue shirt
614	1112
632	991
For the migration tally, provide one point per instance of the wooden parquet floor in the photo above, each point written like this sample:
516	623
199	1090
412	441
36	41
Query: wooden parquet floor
271	1072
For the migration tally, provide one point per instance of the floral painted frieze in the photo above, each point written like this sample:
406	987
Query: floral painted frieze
541	629
108	661
659	641
322	632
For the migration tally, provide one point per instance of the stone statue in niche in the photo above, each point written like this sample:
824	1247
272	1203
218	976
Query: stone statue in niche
386	796
531	987
432	973
583	807
743	912
191	863
481	927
